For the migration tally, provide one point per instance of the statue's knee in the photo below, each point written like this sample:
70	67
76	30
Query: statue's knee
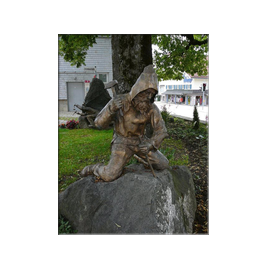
162	164
165	164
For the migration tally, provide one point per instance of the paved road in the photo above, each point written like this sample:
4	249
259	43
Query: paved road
184	111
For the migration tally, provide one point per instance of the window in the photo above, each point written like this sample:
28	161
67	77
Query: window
103	78
162	89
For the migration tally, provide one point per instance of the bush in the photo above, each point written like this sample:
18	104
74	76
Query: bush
165	114
196	119
64	226
72	124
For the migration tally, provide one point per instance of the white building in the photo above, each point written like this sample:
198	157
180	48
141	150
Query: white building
188	91
74	82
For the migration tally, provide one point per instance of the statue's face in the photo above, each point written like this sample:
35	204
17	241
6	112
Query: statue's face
142	102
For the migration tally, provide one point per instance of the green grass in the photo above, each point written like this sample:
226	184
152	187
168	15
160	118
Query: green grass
175	152
81	147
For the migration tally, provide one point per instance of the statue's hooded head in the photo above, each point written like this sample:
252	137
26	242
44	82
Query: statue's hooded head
148	79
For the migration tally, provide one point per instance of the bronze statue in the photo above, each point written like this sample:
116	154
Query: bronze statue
130	113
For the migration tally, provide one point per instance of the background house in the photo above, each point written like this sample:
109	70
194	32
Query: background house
74	82
187	91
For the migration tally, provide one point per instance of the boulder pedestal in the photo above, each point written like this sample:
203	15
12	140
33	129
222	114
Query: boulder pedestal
83	123
135	203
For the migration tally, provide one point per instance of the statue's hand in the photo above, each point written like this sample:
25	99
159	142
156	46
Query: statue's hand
116	105
146	147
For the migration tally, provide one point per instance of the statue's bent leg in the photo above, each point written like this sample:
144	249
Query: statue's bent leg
120	155
157	159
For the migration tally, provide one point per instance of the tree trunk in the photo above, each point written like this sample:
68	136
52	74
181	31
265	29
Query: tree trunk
130	53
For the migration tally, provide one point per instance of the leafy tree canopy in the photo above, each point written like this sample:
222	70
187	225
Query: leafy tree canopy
177	53
180	53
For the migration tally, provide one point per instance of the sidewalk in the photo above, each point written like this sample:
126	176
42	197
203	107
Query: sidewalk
69	115
178	110
184	111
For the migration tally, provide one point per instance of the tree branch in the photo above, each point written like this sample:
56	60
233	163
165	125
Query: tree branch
193	41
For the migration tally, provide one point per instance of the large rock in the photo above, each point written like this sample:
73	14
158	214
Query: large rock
136	203
83	122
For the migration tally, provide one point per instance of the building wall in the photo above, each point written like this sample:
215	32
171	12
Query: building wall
198	82
63	106
171	82
100	55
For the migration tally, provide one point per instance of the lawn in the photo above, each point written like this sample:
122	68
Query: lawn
185	146
81	147
78	148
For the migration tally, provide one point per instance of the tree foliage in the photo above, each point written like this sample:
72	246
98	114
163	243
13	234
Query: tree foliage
180	53
177	53
73	47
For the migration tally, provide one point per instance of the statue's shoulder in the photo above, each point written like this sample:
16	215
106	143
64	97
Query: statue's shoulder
124	97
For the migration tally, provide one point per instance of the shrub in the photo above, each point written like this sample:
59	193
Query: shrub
71	124
64	226
196	119
62	125
165	114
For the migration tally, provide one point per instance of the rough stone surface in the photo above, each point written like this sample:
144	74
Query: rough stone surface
136	203
83	123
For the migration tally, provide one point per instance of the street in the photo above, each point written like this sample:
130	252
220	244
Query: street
184	111
179	110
